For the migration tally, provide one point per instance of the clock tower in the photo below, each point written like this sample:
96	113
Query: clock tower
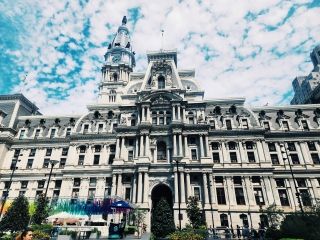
119	63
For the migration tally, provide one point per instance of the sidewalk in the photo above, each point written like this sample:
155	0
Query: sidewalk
145	236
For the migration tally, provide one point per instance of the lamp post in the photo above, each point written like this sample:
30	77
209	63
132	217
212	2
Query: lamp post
177	160
285	156
52	162
13	167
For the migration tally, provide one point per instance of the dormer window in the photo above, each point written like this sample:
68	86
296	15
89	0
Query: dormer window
304	125
37	133
266	125
228	124
285	125
68	132
85	128
112	96
52	133
245	123
161	82
22	134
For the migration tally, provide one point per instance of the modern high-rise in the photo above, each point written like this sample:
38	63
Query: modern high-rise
153	134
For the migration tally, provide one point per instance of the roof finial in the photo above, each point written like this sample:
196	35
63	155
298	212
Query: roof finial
124	20
162	31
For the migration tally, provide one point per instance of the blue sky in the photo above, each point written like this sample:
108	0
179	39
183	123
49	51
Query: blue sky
52	51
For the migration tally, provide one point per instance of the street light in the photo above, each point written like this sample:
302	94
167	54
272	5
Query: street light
285	156
13	167
52	162
177	160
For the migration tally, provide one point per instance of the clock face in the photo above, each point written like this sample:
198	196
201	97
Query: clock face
116	58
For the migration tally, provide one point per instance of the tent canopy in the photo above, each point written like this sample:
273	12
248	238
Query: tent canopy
121	204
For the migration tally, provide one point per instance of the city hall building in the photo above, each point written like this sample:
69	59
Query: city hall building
153	134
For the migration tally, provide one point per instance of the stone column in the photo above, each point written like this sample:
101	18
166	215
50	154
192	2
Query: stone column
179	113
183	115
243	154
114	185
140	187
141	146
137	148
186	147
168	154
305	152
188	183
201	146
183	192
148	114
176	200
147	150
314	182
230	191
249	190
174	145
260	151
207	145
272	183
118	148
173	113
134	190
225	156
205	188
300	154
146	188
142	114
212	189
180	145
122	147
119	188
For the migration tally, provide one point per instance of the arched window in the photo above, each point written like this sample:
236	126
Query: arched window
244	219
224	220
161	151
112	96
161	82
264	220
115	77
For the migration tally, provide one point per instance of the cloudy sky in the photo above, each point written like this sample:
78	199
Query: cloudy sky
52	51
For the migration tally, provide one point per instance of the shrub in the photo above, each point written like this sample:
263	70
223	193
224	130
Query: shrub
130	230
184	235
39	235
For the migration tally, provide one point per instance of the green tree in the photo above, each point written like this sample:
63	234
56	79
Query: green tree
274	214
17	217
162	223
42	210
194	213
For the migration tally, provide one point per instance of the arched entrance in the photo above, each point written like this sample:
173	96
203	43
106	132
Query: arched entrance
161	191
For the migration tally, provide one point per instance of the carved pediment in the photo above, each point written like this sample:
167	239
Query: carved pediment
160	101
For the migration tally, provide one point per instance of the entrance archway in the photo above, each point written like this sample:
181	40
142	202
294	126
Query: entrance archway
161	191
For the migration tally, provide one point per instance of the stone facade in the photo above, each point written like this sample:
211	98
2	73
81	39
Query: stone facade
153	134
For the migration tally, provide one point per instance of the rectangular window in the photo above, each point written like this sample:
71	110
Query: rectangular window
256	180
37	133
294	158
48	152
266	126
272	147
283	197
237	180
285	125
52	133
32	152
83	149
215	146
232	145
131	142
128	194
240	196
7	185
17	153
251	157
315	158
305	197
249	145
197	193
91	193
212	125
62	162
100	127
233	157
24	184
194	155
304	125
29	163
75	193
168	120
22	134
280	182
161	120
274	159
65	151
258	196
228	124
191	120
245	124
41	184
46	163
216	157
301	182
85	128
291	146
93	182
81	160
97	148
218	179
111	158
96	159
68	132
221	197
76	182
57	183
130	155
154	120
312	146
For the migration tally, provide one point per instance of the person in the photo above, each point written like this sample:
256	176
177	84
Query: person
210	231
261	231
245	232
25	235
238	232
